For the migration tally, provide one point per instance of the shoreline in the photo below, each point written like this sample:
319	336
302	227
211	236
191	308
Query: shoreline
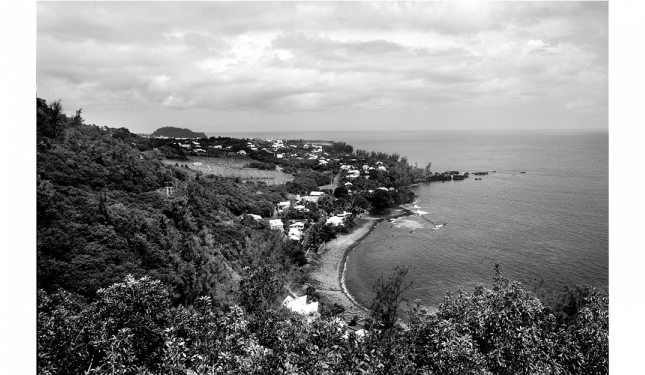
329	274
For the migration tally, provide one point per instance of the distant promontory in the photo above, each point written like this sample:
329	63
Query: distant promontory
172	132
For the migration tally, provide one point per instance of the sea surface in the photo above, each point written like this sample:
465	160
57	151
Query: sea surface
547	225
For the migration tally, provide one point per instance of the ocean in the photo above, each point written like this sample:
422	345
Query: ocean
547	225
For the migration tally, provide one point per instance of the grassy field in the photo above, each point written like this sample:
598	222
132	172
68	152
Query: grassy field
234	167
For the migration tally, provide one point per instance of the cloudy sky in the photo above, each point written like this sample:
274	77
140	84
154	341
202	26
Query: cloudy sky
240	66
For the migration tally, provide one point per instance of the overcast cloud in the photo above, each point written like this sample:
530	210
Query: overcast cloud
283	66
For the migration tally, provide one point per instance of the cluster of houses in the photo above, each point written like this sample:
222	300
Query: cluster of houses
281	149
296	229
355	172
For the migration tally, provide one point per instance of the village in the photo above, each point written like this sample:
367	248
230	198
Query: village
332	187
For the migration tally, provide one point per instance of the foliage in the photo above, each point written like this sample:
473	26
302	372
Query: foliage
103	213
259	289
132	328
388	295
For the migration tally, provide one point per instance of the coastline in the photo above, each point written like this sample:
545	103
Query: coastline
329	274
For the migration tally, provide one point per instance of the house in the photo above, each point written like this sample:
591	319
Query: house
276	224
198	164
199	150
300	207
300	305
311	198
299	225
354	172
335	221
279	156
342	214
316	193
381	168
217	146
283	205
294	234
242	152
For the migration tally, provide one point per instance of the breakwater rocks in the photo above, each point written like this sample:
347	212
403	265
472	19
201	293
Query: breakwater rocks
448	176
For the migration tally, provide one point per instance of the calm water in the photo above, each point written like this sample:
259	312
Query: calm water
550	223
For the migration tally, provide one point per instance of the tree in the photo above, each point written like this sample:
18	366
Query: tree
389	293
129	318
381	199
341	193
259	289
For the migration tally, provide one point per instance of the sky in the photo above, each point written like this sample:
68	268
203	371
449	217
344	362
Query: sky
298	66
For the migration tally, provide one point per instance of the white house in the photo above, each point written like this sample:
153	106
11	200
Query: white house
198	163
300	305
294	234
316	193
217	146
300	207
242	152
335	221
283	205
342	214
256	217
299	225
311	198
276	224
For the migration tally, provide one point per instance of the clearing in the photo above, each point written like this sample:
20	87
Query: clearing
234	167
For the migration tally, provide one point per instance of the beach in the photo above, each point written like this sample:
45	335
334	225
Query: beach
328	275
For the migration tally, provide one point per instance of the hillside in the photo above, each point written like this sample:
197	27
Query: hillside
103	212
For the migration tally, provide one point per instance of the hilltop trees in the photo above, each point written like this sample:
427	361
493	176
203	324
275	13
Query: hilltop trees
131	327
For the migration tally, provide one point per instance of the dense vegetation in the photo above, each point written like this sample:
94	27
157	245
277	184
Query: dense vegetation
131	327
102	213
134	281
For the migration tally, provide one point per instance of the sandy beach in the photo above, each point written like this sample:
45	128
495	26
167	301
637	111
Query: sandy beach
327	276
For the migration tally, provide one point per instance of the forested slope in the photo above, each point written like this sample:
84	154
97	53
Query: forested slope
103	213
